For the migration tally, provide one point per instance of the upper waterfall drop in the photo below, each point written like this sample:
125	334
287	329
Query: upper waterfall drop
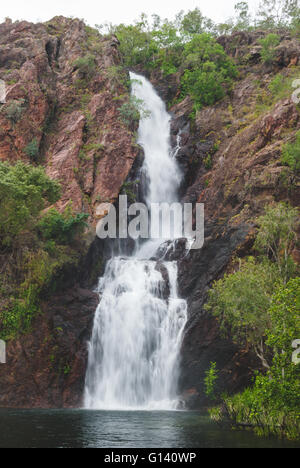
154	136
139	323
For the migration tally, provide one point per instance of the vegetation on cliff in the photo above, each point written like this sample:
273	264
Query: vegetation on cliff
35	246
259	305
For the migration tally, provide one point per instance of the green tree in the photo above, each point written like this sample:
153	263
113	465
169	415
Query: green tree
241	302
284	322
243	18
136	44
192	22
277	235
208	70
24	190
272	404
276	13
269	43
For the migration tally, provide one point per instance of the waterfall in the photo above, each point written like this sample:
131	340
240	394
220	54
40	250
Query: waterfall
139	323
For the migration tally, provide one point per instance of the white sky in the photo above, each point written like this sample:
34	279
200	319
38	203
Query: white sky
115	11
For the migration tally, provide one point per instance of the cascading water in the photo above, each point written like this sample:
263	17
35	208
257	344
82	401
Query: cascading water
138	326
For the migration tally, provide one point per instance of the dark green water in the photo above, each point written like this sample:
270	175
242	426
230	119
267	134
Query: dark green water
114	429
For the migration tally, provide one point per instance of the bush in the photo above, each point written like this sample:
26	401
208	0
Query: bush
61	227
24	190
32	149
209	71
291	154
272	404
86	65
13	111
277	85
269	43
211	377
277	235
241	302
132	110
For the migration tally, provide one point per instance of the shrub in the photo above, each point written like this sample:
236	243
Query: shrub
86	65
269	43
291	154
272	404
277	85
277	235
13	111
241	301
132	110
32	149
24	190
208	162
61	227
211	377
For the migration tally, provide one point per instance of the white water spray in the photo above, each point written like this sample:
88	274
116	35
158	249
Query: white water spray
138	326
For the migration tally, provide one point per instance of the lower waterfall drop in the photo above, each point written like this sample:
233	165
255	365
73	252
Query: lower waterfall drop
138	327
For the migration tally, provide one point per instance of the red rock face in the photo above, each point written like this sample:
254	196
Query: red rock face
73	116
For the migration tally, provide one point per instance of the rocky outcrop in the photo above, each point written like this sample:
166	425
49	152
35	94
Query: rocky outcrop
46	367
62	80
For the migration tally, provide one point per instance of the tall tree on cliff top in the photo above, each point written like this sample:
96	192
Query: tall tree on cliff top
277	13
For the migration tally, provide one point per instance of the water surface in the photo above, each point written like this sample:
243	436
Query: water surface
113	429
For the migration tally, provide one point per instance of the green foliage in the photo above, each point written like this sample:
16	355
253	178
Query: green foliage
269	43
128	189
208	162
40	268
241	302
272	404
37	251
32	149
285	322
274	14
132	111
117	76
277	85
14	110
61	227
211	377
193	23
277	235
243	19
291	154
136	44
86	65
209	71
24	190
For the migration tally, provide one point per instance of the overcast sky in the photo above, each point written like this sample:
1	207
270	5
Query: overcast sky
115	11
